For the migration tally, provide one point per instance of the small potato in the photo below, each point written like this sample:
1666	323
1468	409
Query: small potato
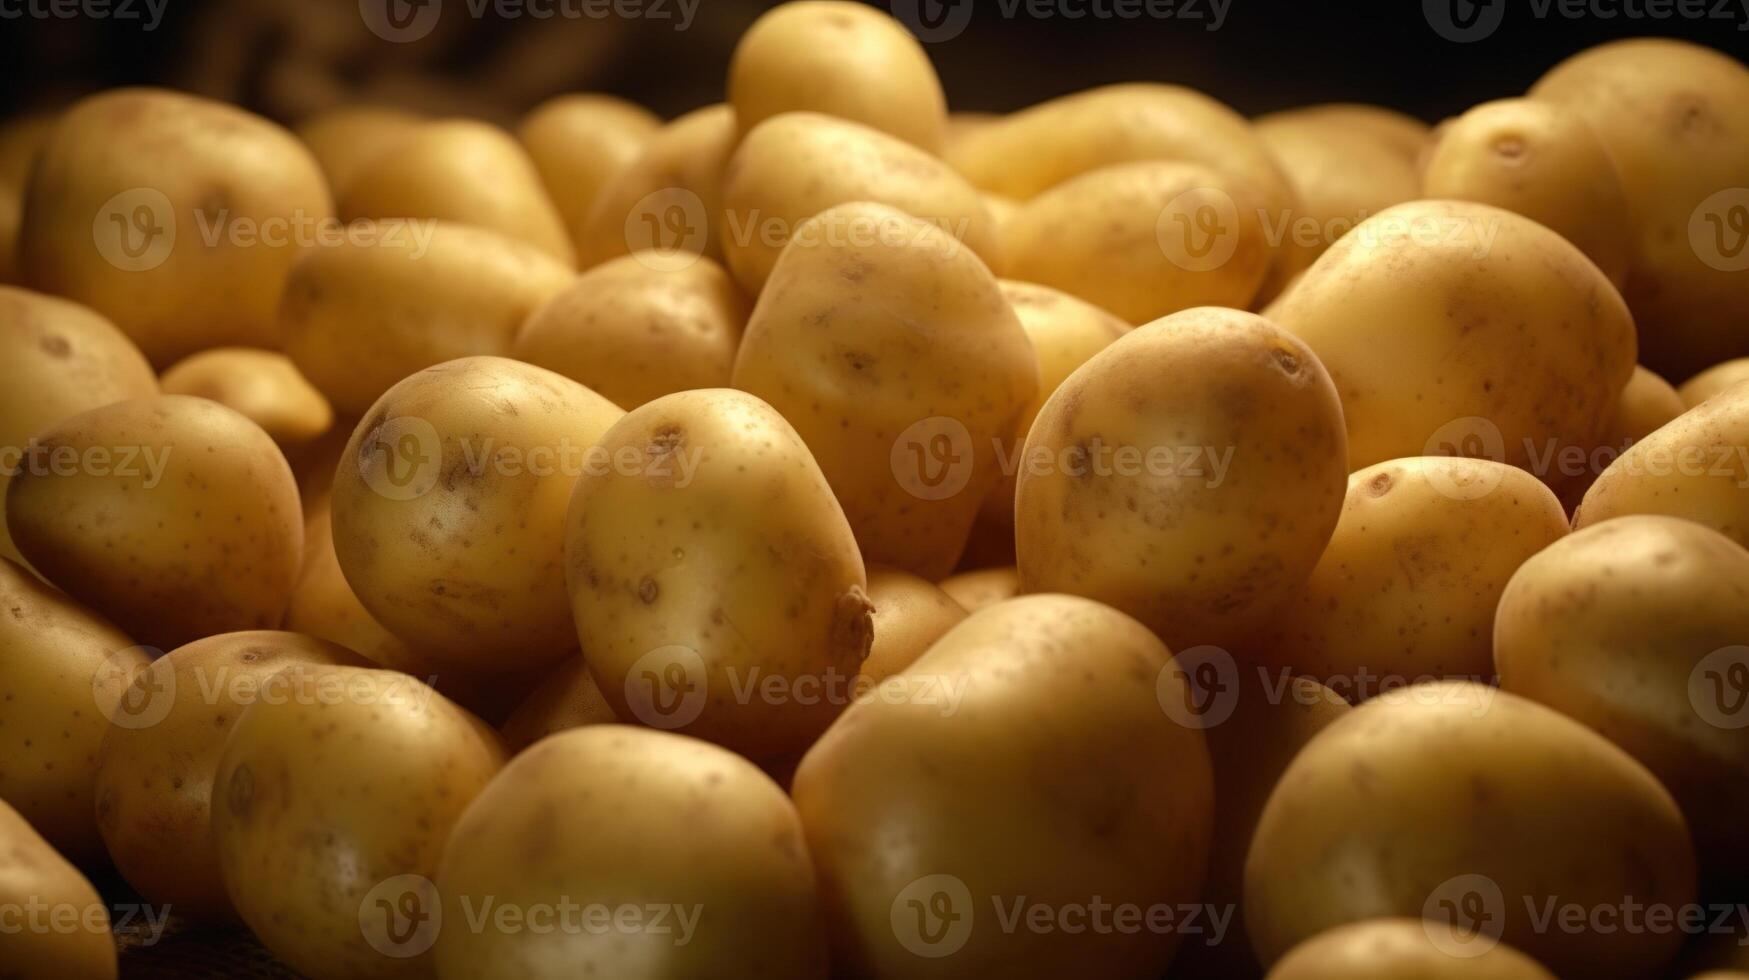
1712	381
1407	587
263	386
984	587
693	852
566	698
175	517
633	330
1480	811
60	927
900	362
793	167
716	585
361	316
62	678
1189	474
344	139
154	776
449	508
910	614
462	171
176	217
1664	602
670	199
1405	135
334	796
1541	160
578	144
842	59
1646	404
1023	765
20	139
1392	949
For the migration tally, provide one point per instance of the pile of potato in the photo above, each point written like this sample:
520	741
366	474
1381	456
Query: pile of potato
823	535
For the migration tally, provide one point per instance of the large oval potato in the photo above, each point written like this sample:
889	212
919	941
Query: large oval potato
175	517
58	927
1189	474
1404	134
263	386
567	697
175	216
1392	949
333	799
1714	380
1023	766
693	854
716	585
894	354
1482	812
670	199
345	138
578	144
910	614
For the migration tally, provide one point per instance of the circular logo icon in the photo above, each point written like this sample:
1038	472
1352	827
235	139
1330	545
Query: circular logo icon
135	230
933	458
1719	230
667	687
934	21
1471	437
131	690
932	916
1718	688
1199	687
401	916
1464	21
1199	229
1465	915
400	21
401	457
668	230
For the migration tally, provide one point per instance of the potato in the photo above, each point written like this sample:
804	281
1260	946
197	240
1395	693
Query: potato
1447	322
1023	766
1664	602
984	587
1696	467
695	855
1482	812
841	59
59	927
578	144
1143	240
57	359
1189	474
334	796
450	505
1390	949
1541	160
463	171
1405	135
345	138
324	606
1718	378
19	141
670	199
566	698
910	614
175	216
175	517
894	354
63	677
792	167
1644	406
1407	587
633	330
154	775
1675	117
263	386
716	585
402	297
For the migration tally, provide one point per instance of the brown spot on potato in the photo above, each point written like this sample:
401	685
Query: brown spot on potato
647	590
56	347
241	796
1380	485
853	624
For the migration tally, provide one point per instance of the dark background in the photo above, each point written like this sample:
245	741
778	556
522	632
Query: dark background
290	57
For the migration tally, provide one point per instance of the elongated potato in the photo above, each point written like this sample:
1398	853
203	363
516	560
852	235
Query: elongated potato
345	138
1712	381
567	697
670	199
578	144
910	614
59	928
263	386
1404	134
1390	949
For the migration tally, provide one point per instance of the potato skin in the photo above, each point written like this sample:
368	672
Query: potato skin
198	532
1390	949
1429	794
567	697
345	138
20	138
678	175
1714	380
1404	134
633	817
1055	775
32	873
1198	550
578	144
910	614
984	587
264	386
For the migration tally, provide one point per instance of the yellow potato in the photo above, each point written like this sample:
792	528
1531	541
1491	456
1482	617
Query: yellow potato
345	138
910	614
1404	134
963	124
1482	812
1406	589
1675	117
1189	474
984	587
633	330
1541	160
19	141
894	354
334	796
449	508
174	216
792	167
62	676
693	855
668	200
566	698
1391	949
264	386
361	316
154	775
842	59
58	927
1644	406
1453	328
175	517
1718	378
463	171
1023	767
578	144
1664	602
716	585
